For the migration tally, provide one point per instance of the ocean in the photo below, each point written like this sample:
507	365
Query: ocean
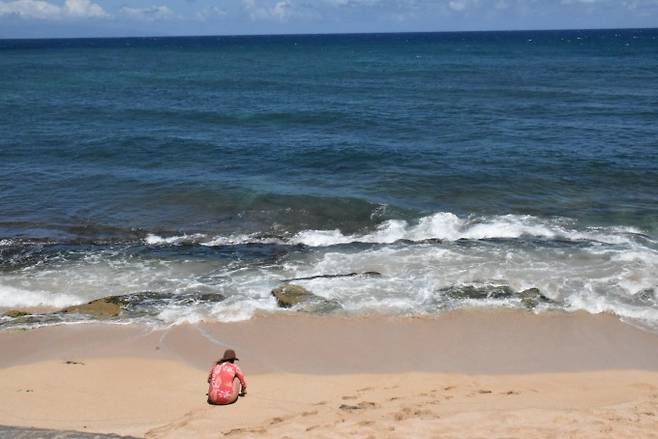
193	175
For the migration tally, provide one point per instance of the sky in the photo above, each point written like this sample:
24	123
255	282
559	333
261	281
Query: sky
102	18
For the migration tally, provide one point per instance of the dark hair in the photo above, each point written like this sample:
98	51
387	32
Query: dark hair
221	360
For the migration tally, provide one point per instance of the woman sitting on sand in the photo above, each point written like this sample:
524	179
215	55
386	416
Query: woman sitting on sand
223	380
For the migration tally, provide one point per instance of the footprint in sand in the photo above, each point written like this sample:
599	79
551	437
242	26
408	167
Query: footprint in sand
448	388
360	406
408	412
311	413
511	392
346	397
364	389
320	403
479	392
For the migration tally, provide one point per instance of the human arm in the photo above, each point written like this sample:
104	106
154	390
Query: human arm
243	381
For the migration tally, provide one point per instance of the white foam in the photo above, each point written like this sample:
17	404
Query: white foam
441	225
178	315
603	274
449	227
12	297
152	239
595	304
240	239
5	242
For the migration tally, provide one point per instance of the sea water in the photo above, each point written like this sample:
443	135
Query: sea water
194	175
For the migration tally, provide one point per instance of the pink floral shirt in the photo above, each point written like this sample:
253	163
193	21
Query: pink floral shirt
220	380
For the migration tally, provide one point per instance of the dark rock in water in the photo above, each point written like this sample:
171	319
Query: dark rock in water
479	293
135	304
646	297
330	276
14	313
318	305
211	297
144	302
533	297
107	307
290	295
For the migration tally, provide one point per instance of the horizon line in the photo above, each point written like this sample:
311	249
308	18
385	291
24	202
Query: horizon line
301	34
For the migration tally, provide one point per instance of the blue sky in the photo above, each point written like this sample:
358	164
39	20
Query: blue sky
74	18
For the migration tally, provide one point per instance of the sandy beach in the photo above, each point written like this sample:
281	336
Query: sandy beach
462	374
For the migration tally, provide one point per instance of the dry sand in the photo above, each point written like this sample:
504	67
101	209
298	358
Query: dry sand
464	374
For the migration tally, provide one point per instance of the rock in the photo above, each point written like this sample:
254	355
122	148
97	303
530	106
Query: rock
533	297
331	276
14	313
290	295
646	297
211	297
102	308
473	292
318	305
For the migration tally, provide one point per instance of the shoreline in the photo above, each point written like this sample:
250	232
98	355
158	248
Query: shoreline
465	373
489	341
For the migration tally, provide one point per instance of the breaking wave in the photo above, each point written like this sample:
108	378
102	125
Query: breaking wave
436	263
441	226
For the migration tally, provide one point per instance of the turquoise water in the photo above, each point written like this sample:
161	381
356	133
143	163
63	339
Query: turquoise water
188	166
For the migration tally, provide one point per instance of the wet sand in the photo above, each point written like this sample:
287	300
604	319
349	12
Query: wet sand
463	374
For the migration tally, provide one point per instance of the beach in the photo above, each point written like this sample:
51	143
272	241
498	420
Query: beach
424	234
471	373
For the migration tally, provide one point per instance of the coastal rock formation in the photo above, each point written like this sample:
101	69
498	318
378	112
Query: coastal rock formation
473	292
530	298
330	276
102	308
291	295
533	297
14	313
138	303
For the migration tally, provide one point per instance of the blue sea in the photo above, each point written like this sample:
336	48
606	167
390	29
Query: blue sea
193	175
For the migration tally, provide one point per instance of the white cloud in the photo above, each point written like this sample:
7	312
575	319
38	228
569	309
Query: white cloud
84	8
582	2
211	12
281	9
43	10
462	5
151	13
30	9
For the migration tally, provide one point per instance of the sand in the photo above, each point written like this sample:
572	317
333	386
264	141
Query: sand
463	374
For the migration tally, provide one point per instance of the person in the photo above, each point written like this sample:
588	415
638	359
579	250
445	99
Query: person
226	381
